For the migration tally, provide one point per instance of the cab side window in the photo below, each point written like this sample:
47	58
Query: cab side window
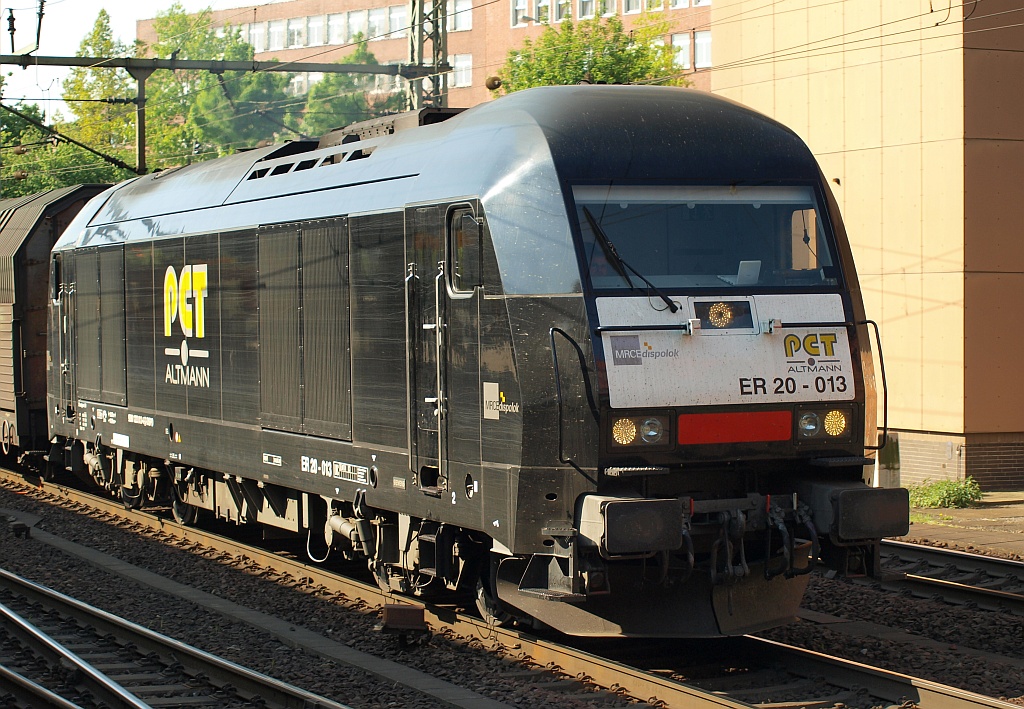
464	239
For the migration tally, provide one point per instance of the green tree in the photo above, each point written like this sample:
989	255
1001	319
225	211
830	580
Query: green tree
13	127
48	166
194	115
104	126
598	50
340	99
236	109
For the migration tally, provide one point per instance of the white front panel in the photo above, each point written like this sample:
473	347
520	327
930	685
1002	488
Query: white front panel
651	368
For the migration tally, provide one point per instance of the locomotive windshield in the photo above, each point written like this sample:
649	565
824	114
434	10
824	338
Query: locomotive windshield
703	237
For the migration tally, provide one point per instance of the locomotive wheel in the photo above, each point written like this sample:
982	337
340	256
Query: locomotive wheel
184	513
490	608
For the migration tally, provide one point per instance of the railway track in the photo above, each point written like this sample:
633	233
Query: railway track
59	651
750	671
985	582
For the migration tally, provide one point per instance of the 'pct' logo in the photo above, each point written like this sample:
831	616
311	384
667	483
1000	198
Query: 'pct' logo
184	297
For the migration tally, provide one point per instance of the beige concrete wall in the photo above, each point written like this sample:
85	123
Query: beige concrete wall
876	90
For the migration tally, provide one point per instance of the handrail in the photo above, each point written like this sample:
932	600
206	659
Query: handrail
885	388
558	385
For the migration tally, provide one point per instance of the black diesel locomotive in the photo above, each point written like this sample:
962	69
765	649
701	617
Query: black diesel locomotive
597	352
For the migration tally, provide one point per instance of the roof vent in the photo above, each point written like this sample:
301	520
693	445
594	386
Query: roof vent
386	125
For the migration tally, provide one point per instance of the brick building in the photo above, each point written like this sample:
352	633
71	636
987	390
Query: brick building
480	33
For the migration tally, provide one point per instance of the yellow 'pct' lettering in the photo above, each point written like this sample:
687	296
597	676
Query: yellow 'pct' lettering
184	300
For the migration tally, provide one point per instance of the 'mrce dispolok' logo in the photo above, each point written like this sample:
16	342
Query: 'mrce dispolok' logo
494	402
627	350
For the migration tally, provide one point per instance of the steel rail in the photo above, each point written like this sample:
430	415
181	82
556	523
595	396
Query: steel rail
107	690
637	683
27	692
954	590
892	686
245	681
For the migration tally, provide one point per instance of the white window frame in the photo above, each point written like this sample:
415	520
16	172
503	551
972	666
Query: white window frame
520	9
257	37
358	16
398	21
462	71
295	29
298	85
582	13
380	31
678	4
337	27
632	7
563	10
702	49
543	15
460	15
276	35
681	43
315	31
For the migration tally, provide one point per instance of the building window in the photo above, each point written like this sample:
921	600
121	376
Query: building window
677	4
398	21
460	15
518	12
698	3
543	11
562	10
655	4
606	8
296	85
586	9
276	35
630	6
462	70
297	32
702	49
258	37
356	25
681	47
315	31
377	23
336	29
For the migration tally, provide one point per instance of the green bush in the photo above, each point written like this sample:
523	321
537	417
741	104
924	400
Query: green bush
945	493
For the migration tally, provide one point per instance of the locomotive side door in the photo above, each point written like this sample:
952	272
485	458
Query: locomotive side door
63	279
442	275
425	330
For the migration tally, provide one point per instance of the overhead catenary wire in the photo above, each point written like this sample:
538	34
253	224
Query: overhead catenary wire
778	55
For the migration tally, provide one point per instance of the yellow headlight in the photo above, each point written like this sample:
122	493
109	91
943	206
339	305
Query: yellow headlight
624	432
835	423
720	315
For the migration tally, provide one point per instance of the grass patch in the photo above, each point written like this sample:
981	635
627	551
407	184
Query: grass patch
945	493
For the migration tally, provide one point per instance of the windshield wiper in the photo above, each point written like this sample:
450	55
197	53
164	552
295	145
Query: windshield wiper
620	264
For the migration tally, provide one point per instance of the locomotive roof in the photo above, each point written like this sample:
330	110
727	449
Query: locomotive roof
569	133
20	216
